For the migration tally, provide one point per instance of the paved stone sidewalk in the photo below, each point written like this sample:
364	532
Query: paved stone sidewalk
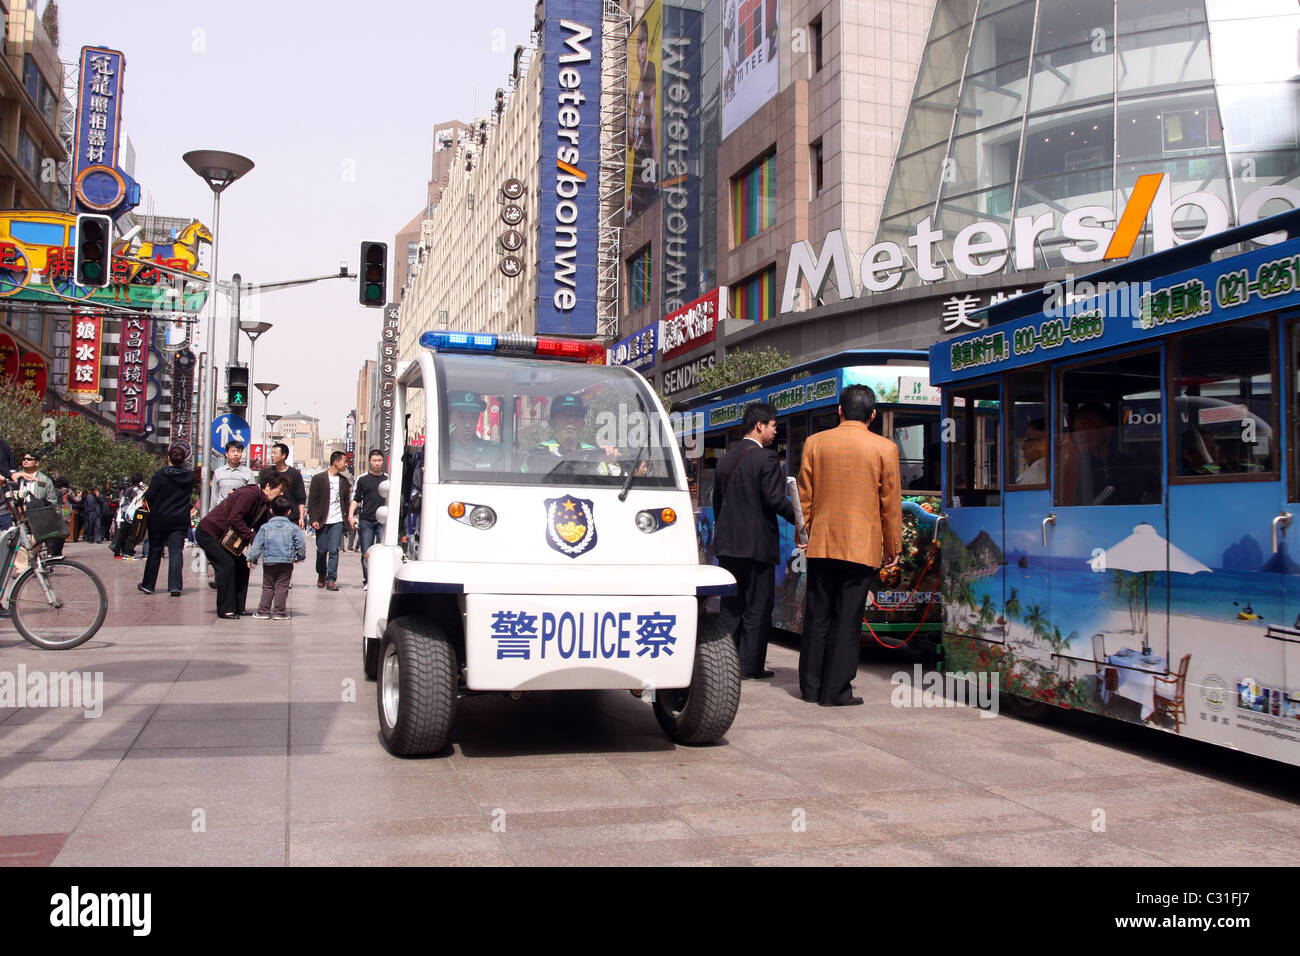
255	742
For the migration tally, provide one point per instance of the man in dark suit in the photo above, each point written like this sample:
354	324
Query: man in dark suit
748	494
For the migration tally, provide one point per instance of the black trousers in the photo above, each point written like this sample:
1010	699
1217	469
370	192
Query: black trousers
174	539
832	634
231	572
747	615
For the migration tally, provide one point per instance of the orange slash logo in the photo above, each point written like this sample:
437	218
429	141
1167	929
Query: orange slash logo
1130	223
574	170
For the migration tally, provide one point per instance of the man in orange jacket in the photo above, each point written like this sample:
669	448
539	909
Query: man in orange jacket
850	492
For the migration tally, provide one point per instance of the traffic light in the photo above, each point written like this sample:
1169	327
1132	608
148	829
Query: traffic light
237	389
92	262
374	273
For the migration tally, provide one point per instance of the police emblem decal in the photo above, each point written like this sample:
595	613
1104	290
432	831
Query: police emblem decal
570	525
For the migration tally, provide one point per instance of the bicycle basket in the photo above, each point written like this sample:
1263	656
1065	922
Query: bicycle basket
45	521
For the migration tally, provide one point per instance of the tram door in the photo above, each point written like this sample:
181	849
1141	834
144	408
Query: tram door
1107	532
973	564
1284	634
1027	502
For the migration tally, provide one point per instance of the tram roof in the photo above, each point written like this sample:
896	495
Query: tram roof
847	358
1189	255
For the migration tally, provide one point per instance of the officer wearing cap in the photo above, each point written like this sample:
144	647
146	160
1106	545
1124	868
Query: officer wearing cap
568	416
467	451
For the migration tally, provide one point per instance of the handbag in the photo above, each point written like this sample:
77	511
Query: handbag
233	543
231	540
140	522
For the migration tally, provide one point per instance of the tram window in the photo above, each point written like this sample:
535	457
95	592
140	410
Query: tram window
1027	434
798	435
825	420
1224	413
974	455
1110	433
917	434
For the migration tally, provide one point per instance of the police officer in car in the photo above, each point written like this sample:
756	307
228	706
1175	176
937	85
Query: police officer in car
467	451
568	416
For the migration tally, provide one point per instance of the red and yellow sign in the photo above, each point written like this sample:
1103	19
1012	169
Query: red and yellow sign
8	357
84	354
36	255
32	373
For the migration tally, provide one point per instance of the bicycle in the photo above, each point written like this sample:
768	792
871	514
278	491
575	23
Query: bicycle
56	604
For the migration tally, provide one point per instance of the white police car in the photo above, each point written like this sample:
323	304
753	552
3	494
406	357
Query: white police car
553	544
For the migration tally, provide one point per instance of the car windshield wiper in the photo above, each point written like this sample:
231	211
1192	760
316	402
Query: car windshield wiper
622	495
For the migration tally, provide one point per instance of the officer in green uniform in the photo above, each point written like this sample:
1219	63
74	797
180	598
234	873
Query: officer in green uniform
568	416
467	451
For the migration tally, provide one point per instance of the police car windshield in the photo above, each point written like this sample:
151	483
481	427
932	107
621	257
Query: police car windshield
529	422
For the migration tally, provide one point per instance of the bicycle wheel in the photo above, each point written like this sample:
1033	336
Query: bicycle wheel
71	614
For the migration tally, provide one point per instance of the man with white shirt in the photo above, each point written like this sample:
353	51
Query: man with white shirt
327	506
232	475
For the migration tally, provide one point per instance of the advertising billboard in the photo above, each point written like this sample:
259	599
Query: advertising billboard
569	177
643	120
750	74
680	160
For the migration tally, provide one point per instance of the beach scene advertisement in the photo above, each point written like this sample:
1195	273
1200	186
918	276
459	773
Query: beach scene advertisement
1188	631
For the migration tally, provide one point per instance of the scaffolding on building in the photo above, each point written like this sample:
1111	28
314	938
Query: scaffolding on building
62	198
616	26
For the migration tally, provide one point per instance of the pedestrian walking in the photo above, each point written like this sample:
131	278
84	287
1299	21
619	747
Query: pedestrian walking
243	511
280	544
123	538
748	495
168	497
327	503
365	518
850	492
297	490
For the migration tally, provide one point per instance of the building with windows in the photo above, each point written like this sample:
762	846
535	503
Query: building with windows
302	434
817	175
31	95
907	162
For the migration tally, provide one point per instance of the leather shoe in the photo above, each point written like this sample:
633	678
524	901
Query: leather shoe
850	702
331	586
176	593
320	580
143	590
761	675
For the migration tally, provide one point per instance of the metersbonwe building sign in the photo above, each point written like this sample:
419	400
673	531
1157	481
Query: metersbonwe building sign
568	182
1095	234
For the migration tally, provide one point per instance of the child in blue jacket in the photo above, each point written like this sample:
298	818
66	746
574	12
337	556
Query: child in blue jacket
282	544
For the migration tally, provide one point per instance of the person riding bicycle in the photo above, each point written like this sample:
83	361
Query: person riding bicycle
34	483
568	416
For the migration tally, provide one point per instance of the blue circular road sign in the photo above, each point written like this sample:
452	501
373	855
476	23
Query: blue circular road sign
228	428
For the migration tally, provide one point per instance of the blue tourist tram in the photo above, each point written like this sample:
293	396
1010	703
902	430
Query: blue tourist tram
1120	482
901	611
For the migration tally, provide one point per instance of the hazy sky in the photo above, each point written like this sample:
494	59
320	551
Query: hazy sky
335	103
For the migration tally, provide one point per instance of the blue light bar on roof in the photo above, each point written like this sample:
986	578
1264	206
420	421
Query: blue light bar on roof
460	341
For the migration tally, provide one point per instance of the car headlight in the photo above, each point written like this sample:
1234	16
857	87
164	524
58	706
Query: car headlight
482	517
655	519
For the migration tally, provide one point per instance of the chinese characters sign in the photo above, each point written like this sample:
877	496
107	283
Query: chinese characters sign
636	351
32	373
693	325
98	185
84	355
183	397
132	362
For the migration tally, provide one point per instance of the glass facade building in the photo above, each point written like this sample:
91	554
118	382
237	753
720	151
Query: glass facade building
1027	113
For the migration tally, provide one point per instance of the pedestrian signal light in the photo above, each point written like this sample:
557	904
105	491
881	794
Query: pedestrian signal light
237	388
374	273
92	265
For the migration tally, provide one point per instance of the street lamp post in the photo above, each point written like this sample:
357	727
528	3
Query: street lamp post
254	331
218	169
271	420
266	388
